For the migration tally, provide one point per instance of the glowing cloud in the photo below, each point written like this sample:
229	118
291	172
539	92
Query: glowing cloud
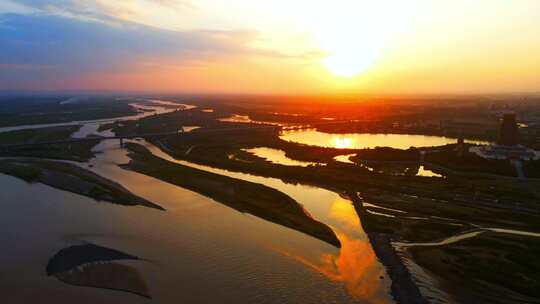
280	46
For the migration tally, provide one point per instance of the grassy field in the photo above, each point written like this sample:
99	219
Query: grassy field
32	110
77	152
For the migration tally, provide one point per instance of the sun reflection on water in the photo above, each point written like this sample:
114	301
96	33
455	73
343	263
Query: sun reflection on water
366	140
343	212
355	265
342	142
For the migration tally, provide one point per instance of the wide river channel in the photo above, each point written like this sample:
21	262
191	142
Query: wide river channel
197	251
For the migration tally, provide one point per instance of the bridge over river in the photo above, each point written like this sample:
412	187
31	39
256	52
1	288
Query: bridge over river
180	131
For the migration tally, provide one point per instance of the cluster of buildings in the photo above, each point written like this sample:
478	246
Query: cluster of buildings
508	146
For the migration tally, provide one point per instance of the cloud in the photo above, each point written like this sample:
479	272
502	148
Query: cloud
157	13
40	46
76	43
84	10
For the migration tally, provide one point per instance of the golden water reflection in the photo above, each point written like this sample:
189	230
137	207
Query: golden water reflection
355	265
343	142
345	158
422	171
343	212
277	156
364	140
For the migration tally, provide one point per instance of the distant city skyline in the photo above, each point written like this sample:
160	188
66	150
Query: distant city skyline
280	47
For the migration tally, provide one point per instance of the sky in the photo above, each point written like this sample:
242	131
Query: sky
271	47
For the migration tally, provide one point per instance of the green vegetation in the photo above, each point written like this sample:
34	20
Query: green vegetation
450	213
16	111
243	196
265	136
390	161
387	154
435	208
469	162
72	178
409	229
168	122
214	148
531	168
37	135
214	143
490	268
468	272
81	151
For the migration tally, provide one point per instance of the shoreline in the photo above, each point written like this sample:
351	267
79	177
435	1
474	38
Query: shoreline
74	179
403	288
247	197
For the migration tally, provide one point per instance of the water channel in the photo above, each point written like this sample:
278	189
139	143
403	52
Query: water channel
197	245
198	250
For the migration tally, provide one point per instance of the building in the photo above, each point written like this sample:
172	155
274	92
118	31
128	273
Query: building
508	147
509	134
468	128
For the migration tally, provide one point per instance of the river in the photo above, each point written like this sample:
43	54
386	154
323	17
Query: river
366	140
197	251
155	107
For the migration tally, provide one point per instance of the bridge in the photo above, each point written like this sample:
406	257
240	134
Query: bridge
298	127
180	131
88	139
6	147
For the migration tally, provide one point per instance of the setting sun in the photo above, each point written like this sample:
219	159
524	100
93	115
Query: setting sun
349	64
358	32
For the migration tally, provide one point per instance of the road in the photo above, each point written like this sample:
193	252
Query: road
519	168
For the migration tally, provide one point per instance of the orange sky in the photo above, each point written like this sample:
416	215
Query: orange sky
276	47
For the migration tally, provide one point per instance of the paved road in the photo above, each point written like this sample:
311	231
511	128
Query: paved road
519	168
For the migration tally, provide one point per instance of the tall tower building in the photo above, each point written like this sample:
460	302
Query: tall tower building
508	135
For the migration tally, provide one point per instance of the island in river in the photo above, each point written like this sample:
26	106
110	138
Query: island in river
71	177
257	199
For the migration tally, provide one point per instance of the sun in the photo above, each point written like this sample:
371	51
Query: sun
350	46
358	32
348	64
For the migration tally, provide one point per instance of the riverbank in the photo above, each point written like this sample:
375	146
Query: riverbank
243	196
404	290
425	209
35	111
507	272
95	266
72	178
80	152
